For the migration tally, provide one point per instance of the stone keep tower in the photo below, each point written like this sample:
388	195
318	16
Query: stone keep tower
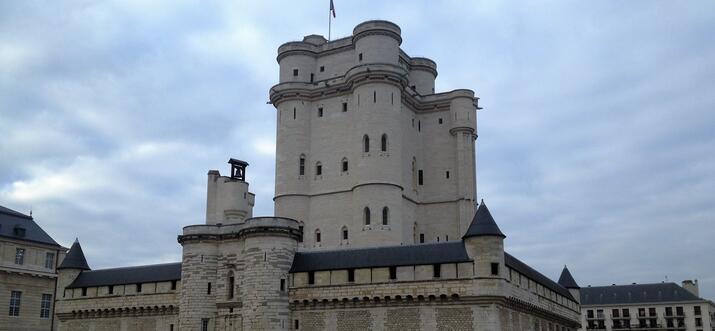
367	152
234	273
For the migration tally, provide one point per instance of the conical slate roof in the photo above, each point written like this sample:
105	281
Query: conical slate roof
566	280
75	258
483	224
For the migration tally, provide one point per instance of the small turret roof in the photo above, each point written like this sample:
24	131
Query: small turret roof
566	280
483	224
75	258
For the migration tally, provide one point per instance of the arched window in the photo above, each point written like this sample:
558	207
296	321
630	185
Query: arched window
383	143
301	167
344	232
344	164
318	168
231	284
385	216
367	215
317	235
365	144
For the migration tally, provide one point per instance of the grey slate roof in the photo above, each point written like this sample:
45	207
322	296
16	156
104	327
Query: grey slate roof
10	220
129	275
528	271
483	224
566	280
75	258
421	254
386	256
635	294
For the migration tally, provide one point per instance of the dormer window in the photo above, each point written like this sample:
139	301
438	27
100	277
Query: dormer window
19	231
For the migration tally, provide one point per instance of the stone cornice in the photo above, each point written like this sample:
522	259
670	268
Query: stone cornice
141	311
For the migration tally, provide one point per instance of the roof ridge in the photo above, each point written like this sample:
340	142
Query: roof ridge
135	267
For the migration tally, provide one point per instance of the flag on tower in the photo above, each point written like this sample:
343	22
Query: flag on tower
332	8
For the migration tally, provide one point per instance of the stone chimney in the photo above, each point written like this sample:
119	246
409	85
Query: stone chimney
692	287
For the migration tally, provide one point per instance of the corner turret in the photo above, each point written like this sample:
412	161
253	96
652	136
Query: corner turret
227	198
567	281
484	243
72	265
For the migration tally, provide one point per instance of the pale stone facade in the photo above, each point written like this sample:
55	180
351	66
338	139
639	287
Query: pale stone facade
333	97
28	262
361	132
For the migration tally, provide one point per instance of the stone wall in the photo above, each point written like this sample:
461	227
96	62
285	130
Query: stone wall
32	288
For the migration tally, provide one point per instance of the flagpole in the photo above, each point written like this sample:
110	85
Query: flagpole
330	21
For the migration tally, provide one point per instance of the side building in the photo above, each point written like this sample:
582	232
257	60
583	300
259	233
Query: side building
28	273
647	307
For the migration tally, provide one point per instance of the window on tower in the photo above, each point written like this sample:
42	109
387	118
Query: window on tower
317	235
344	165
301	168
318	168
385	216
420	178
345	107
295	72
322	68
365	144
320	112
383	143
366	213
360	57
344	231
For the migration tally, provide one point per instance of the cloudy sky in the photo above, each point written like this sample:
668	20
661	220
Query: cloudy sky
596	144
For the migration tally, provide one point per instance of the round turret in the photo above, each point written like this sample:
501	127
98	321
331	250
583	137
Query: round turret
297	61
377	42
423	73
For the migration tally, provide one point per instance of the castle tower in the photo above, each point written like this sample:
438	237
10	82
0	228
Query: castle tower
484	243
367	153
234	267
567	281
72	265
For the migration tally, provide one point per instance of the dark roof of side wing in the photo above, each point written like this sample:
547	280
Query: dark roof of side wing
529	272
11	220
129	275
635	293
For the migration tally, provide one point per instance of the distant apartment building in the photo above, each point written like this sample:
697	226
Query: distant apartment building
646	307
28	273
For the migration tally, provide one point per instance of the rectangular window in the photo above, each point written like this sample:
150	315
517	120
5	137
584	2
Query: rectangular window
351	275
668	311
679	311
173	284
589	313
295	72
312	76
697	310
45	305
49	260
322	68
319	170
296	325
208	288
626	313
422	238
204	324
19	256
393	273
439	120
419	126
139	288
317	237
360	57
301	167
495	269
311	277
420	178
15	297
300	239
110	289
171	327
320	112
615	312
447	174
641	312
232	285
283	285
293	112
436	270
651	311
84	291
698	322
374	96
345	107
345	166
